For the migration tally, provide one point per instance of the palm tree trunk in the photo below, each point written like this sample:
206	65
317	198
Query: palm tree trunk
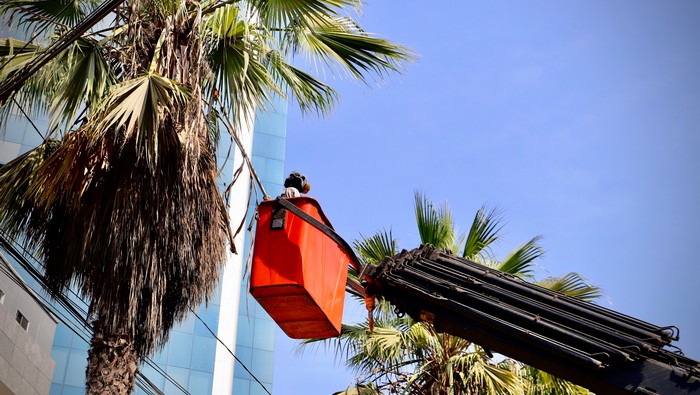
112	362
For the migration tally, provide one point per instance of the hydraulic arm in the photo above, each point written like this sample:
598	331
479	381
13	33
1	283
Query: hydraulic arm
600	349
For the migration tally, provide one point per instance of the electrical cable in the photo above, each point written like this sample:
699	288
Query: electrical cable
71	307
37	34
44	302
28	119
78	313
9	86
141	380
230	352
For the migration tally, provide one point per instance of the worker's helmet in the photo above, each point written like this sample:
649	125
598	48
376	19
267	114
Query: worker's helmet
298	181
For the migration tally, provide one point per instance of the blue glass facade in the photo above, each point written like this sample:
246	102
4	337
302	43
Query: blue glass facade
19	137
188	358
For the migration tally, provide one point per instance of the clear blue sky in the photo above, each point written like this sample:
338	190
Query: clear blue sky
580	119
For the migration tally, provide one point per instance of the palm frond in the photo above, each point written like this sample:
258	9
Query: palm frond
87	80
342	46
136	107
14	62
279	13
36	95
310	93
422	336
375	248
10	46
15	54
484	231
39	14
360	389
434	224
520	261
543	383
20	213
243	81
572	284
480	372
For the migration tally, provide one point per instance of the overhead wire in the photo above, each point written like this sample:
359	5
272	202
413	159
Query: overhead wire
16	80
230	352
76	314
21	109
36	35
142	380
60	316
79	313
71	306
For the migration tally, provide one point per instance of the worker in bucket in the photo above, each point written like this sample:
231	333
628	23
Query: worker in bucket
295	185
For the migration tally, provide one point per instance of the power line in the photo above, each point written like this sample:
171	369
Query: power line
79	313
28	119
230	352
37	34
142	380
17	79
73	309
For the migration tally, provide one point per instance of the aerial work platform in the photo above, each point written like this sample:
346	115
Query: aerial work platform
298	274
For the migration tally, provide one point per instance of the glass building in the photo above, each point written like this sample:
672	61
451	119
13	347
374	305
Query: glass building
192	361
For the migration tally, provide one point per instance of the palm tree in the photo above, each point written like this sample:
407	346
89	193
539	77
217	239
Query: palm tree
121	200
404	356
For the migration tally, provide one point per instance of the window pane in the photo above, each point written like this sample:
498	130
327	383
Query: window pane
180	349
203	353
75	373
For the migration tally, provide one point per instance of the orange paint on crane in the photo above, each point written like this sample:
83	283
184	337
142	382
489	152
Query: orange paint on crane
298	274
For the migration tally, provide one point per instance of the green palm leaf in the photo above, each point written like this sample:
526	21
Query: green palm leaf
543	383
341	45
520	261
360	389
484	231
136	108
38	92
278	13
434	224
11	46
235	60
572	284
375	248
310	93
478	372
42	13
88	79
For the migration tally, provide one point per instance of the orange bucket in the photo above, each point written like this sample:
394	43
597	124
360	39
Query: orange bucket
298	274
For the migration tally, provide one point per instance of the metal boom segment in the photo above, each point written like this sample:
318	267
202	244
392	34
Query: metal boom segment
598	348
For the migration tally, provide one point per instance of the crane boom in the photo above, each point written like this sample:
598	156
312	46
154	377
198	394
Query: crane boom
605	351
597	348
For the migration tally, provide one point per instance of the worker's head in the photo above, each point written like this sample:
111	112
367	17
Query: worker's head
298	181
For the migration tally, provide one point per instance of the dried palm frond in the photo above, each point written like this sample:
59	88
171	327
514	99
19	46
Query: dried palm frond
144	241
